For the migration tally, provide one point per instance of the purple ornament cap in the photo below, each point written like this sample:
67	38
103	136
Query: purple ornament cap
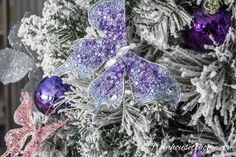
48	92
206	24
196	152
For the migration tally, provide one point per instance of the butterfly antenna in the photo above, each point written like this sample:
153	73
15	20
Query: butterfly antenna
140	44
134	46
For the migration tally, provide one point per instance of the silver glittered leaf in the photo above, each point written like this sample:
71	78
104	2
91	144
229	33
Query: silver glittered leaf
14	65
13	38
34	77
16	43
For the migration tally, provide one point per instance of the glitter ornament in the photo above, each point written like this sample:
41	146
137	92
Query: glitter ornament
48	92
16	139
209	20
196	152
149	82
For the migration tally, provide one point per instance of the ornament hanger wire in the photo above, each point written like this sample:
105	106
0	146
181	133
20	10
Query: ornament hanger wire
211	6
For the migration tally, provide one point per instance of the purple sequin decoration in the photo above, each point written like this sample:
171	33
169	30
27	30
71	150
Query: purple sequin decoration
84	63
149	82
89	54
109	87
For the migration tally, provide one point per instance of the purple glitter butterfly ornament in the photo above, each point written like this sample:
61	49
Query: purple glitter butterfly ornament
149	82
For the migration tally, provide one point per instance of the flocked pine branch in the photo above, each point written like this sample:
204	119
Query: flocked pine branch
132	123
53	34
158	21
207	81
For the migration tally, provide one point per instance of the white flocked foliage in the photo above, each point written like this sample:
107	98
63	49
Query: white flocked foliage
156	21
208	82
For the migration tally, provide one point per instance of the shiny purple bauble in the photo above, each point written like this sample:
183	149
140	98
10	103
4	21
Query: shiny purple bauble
196	152
48	92
206	24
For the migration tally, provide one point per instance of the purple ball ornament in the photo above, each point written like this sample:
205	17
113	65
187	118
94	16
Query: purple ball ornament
48	92
209	20
196	151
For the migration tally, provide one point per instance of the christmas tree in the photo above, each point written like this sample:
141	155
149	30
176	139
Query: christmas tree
124	78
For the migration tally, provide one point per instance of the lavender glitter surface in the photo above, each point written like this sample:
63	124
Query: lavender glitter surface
149	82
109	87
206	24
109	17
89	54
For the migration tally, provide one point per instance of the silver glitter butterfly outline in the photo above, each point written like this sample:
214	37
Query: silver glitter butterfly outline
149	82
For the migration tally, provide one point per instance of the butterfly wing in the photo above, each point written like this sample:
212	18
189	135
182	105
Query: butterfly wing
89	54
151	82
15	138
87	57
39	136
108	88
108	16
23	114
